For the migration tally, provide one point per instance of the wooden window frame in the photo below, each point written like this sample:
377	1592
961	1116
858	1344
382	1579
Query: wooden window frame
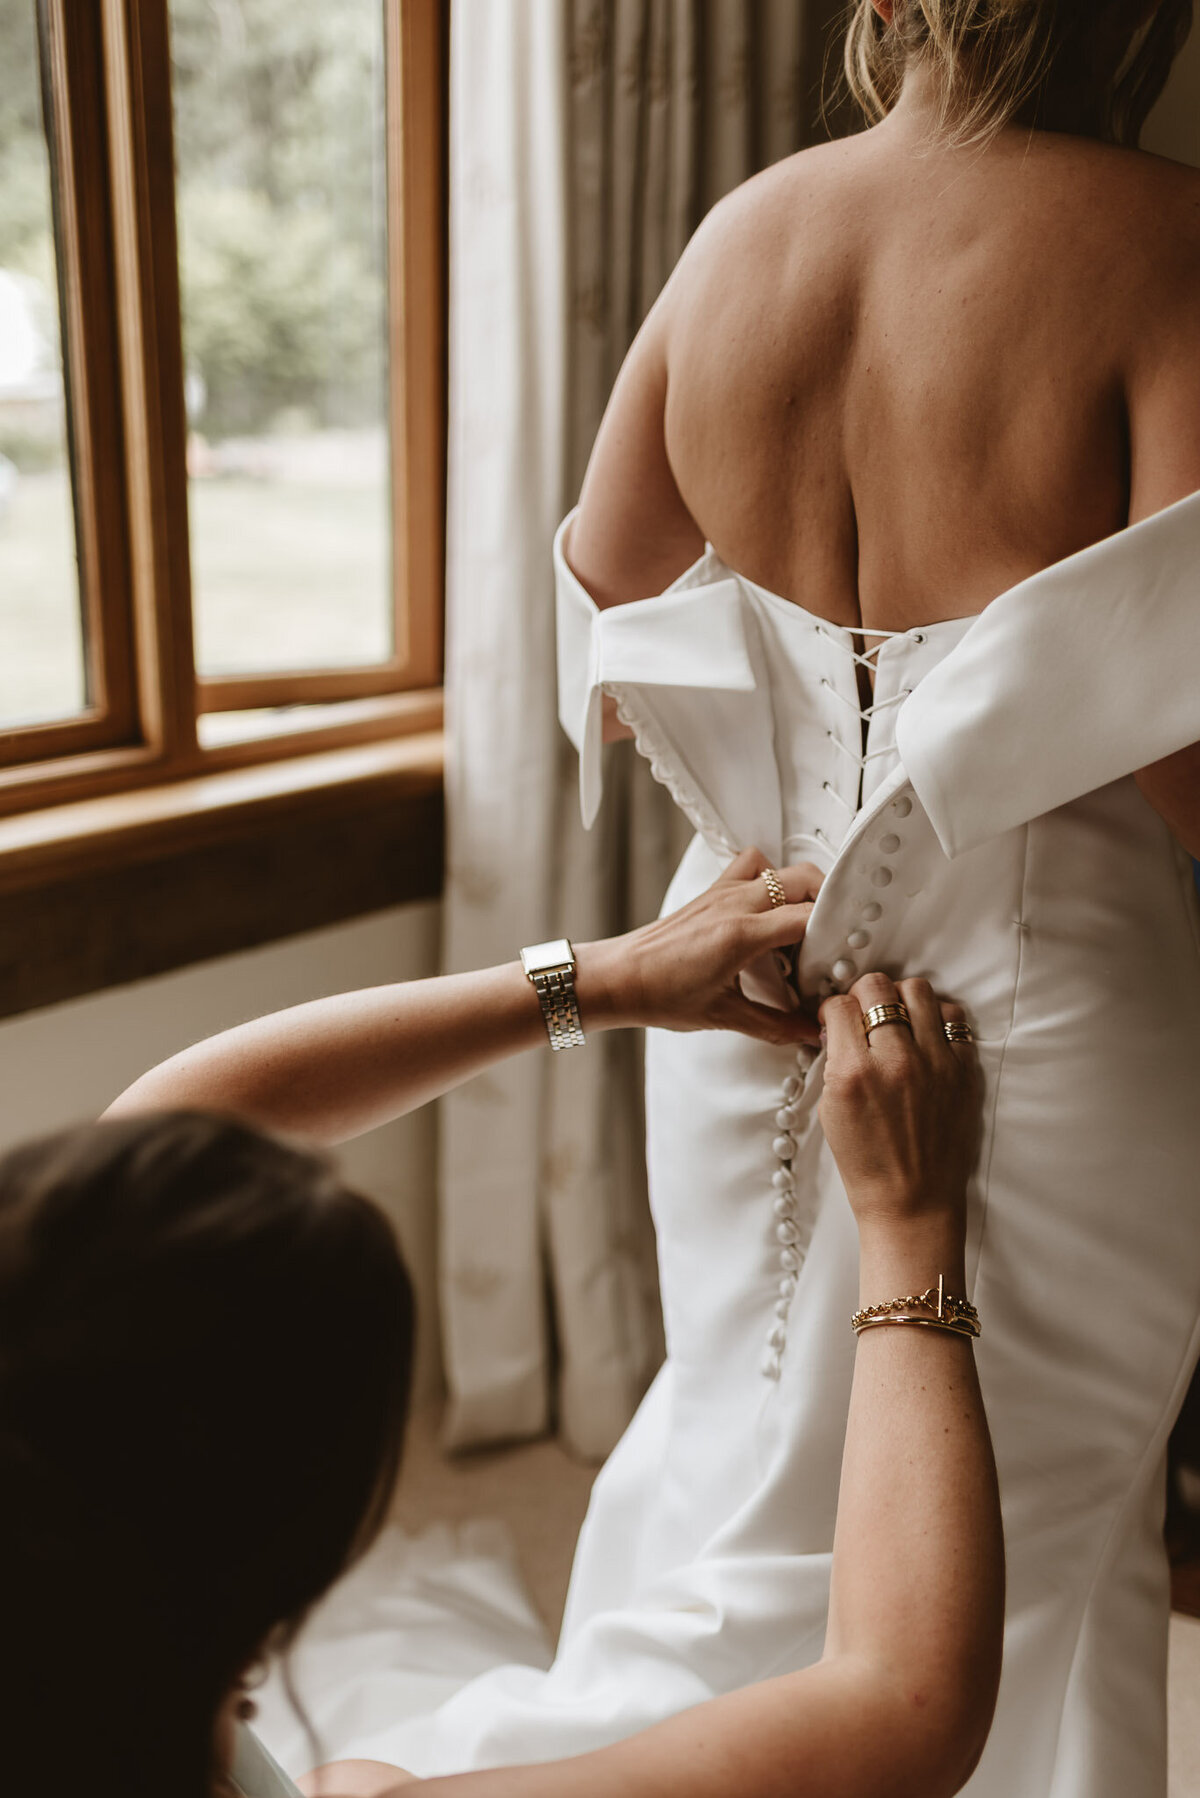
127	847
119	276
79	193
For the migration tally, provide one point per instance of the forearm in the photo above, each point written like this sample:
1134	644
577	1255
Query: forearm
330	1069
918	1554
336	1067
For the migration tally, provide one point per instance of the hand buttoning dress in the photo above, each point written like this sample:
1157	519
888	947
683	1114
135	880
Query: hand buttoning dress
980	825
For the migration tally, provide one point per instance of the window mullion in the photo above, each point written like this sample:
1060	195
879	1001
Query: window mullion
73	53
416	74
138	86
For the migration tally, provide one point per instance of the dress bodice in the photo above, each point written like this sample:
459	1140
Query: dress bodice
833	752
748	708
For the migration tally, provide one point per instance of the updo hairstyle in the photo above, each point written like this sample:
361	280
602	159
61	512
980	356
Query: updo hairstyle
1091	67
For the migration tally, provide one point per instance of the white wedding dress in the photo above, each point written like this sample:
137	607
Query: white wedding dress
983	830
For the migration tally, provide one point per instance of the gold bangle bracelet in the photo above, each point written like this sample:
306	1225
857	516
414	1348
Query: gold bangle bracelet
926	1323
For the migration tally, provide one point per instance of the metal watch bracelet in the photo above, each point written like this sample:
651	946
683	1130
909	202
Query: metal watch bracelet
550	969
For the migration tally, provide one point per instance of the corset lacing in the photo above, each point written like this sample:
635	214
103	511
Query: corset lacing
867	659
788	1121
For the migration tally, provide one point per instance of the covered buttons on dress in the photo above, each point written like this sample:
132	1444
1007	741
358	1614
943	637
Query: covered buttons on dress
879	874
790	1123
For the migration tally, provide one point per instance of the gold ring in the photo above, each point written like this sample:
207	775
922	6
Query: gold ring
774	886
885	1014
959	1033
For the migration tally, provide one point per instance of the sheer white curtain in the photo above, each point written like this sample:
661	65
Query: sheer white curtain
588	137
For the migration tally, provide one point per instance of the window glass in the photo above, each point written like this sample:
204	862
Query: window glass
281	161
42	661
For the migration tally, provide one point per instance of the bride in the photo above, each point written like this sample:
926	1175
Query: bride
888	557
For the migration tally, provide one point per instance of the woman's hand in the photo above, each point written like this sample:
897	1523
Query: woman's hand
682	972
900	1109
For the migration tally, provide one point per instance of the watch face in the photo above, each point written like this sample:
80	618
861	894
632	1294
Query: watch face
544	958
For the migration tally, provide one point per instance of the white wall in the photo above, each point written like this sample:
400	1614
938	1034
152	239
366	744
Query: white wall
68	1061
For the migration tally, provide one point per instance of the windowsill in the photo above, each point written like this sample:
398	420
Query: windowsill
121	828
239	740
97	892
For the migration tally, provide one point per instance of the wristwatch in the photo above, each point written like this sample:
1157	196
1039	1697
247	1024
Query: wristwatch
550	968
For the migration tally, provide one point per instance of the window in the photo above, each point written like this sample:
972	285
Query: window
221	387
66	675
43	672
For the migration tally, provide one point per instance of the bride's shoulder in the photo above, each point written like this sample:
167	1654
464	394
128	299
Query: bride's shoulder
1133	198
1146	212
783	194
814	219
763	225
1172	191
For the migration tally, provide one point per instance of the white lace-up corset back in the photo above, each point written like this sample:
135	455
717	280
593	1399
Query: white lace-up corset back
832	749
865	665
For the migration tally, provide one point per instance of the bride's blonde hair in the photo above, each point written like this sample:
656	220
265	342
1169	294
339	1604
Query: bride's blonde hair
1047	62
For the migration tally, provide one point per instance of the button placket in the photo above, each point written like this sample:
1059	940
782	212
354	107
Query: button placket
889	842
791	1123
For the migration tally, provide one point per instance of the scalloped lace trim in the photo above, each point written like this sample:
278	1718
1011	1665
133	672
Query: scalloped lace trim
650	743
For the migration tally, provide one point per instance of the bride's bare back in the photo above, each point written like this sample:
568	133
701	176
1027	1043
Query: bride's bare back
891	378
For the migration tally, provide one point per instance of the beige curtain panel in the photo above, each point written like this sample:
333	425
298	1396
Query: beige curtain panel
587	141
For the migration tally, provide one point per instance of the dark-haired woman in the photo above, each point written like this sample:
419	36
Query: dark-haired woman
204	1364
903	475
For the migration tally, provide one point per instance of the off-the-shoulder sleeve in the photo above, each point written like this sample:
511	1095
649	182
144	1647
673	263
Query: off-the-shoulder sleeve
1077	677
652	656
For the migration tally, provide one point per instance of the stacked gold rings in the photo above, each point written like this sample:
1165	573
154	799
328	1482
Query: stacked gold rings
774	887
899	1014
885	1014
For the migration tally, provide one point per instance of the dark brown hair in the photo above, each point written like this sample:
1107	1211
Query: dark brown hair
1092	67
205	1350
